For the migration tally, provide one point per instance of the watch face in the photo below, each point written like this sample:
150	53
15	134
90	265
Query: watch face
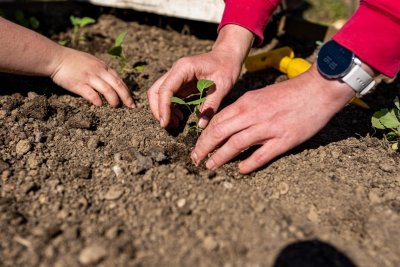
334	60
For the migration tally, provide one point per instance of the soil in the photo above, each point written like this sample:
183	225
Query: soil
98	186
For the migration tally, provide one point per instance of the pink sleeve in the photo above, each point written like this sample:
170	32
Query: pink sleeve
250	14
373	34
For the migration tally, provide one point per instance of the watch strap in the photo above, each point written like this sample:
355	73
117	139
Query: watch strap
359	79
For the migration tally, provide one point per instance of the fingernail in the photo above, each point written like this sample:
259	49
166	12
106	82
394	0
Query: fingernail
133	105
210	165
194	158
161	122
203	122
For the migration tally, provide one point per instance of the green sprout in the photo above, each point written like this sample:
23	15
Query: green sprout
117	51
389	120
79	24
202	85
30	22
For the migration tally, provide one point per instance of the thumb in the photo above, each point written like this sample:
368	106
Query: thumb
211	105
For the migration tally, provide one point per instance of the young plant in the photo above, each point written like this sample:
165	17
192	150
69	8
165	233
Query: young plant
77	35
117	52
30	22
202	86
389	120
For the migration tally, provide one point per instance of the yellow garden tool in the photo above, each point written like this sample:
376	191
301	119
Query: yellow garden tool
283	60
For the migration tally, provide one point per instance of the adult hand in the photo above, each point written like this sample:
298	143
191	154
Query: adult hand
278	118
86	75
222	65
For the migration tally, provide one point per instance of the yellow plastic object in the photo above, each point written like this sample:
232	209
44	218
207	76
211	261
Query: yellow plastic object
269	59
283	60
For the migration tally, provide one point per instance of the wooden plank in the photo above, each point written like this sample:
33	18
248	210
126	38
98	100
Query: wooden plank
200	10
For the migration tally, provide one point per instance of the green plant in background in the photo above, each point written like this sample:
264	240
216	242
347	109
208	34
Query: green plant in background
30	22
389	120
202	85
79	24
117	51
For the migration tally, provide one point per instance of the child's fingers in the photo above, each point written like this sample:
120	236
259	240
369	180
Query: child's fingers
106	90
112	78
89	94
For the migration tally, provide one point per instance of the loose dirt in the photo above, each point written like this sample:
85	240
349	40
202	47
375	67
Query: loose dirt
99	186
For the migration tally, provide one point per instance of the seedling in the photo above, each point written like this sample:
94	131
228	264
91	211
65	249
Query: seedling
30	22
117	52
202	85
77	35
389	120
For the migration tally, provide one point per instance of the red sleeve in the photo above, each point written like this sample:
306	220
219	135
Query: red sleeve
250	14
373	34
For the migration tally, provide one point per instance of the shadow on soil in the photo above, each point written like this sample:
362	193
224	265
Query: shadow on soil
312	253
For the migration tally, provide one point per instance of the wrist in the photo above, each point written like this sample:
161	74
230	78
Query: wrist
57	60
235	40
333	90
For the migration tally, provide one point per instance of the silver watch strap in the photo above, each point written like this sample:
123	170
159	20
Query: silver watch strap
359	79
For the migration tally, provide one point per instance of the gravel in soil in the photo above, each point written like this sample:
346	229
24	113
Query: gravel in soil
97	186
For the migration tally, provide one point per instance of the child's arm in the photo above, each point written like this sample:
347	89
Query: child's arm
26	52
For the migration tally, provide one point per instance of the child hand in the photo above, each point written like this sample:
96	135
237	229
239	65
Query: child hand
86	75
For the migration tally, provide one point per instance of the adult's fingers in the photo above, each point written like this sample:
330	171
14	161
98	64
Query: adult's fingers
271	149
88	93
112	78
153	95
180	74
235	145
120	88
214	97
105	89
222	126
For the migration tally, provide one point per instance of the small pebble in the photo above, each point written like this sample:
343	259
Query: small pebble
313	214
115	192
92	254
181	202
283	188
228	185
209	243
117	170
23	147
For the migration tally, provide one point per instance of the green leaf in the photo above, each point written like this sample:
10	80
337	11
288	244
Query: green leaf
120	38
177	100
395	146
74	20
389	120
392	135
204	84
139	68
86	21
115	51
34	23
81	22
63	42
19	15
396	102
376	123
197	101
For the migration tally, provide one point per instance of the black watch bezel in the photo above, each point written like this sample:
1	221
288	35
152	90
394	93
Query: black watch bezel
334	61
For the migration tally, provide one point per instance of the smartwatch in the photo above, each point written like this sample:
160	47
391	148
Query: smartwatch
337	62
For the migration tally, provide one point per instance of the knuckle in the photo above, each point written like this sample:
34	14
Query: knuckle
92	96
237	142
259	158
182	63
119	83
218	133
